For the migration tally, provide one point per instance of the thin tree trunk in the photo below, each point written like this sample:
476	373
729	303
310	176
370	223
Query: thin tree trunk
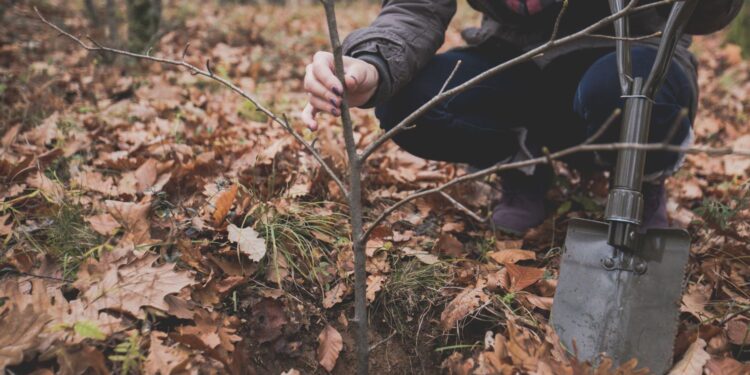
355	202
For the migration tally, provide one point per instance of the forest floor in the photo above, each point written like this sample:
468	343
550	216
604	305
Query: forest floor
153	222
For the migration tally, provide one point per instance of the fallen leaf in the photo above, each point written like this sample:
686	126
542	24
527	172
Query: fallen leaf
51	189
374	284
696	299
130	287
224	202
133	217
248	241
82	359
449	246
211	331
5	229
103	224
164	358
20	332
145	175
738	332
544	303
693	361
421	255
506	257
462	305
335	295
330	344
523	277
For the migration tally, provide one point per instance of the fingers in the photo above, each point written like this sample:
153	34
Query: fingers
322	68
314	87
308	117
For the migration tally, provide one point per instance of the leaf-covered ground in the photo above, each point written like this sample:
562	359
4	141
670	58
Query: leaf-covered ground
153	222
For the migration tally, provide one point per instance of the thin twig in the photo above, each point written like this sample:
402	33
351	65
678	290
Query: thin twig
450	77
209	74
463	208
527	56
629	39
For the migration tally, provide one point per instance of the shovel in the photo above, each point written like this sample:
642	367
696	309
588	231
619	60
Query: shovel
619	289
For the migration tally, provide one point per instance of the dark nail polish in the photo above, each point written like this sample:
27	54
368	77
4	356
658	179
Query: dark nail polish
334	102
336	91
335	111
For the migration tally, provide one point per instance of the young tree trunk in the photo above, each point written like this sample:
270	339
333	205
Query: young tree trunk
144	17
739	33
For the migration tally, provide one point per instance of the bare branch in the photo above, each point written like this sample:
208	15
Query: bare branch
209	74
463	208
450	77
555	156
527	56
630	39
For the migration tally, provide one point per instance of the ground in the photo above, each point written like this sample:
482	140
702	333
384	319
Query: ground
153	221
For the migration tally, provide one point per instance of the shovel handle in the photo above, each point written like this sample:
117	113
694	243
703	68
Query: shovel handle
625	204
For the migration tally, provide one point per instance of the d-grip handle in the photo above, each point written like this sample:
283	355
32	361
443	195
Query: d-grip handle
625	204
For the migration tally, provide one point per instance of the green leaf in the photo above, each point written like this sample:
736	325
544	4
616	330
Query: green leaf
89	330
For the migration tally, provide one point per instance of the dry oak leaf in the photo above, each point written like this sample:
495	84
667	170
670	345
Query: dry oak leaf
693	361
450	246
163	359
738	332
696	299
330	345
511	256
374	285
83	359
421	255
335	295
132	286
463	304
248	242
133	217
211	330
5	229
20	332
543	303
523	277
224	202
103	224
51	189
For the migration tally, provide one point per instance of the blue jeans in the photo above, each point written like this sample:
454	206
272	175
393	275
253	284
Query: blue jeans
558	106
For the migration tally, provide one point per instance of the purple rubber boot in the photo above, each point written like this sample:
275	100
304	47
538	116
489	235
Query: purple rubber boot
521	206
654	206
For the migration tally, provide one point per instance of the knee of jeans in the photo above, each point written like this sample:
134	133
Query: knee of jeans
387	116
597	97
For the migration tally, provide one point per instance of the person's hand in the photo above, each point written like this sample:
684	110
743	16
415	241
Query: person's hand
325	89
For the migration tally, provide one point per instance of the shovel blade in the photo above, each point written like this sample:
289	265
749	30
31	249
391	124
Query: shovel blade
620	313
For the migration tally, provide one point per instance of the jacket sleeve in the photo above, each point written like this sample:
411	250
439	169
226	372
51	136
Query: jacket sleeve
710	16
402	39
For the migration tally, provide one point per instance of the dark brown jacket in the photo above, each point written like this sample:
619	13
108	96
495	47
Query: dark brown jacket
406	33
